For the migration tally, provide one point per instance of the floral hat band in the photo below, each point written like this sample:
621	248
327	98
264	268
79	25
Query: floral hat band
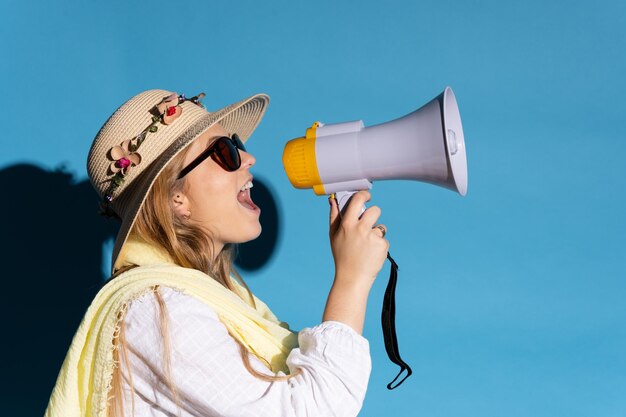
125	156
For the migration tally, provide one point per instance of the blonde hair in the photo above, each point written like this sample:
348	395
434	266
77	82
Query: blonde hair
190	246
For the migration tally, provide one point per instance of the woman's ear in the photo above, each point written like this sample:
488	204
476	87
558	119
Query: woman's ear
180	203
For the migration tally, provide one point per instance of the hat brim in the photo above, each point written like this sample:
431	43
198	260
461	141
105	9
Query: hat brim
242	118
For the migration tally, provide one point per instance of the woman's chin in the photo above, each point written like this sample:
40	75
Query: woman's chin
252	234
258	232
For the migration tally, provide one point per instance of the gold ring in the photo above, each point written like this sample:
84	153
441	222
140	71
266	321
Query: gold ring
382	229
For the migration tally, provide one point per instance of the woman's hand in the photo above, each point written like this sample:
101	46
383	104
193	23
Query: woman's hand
360	250
358	247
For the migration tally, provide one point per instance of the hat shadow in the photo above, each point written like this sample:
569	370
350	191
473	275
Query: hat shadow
53	256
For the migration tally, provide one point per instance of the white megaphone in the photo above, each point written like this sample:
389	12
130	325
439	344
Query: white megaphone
425	145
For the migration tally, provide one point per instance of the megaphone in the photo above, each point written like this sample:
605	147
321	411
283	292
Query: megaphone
342	158
426	145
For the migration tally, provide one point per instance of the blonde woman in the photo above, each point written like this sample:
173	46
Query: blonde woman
175	331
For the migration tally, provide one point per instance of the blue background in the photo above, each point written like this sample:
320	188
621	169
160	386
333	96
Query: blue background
510	300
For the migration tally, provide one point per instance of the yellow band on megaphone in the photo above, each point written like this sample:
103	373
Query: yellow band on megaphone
300	162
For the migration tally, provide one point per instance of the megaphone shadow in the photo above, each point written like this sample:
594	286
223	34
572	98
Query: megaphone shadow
52	257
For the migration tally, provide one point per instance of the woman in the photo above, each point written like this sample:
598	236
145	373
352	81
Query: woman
176	331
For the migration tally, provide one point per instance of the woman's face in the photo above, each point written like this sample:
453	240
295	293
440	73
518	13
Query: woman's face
212	196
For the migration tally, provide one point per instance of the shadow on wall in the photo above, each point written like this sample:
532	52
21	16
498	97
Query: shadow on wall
52	268
254	255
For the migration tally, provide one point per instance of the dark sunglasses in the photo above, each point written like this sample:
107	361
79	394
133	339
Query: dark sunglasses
225	152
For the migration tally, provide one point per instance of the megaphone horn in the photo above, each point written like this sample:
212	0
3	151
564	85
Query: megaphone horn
426	145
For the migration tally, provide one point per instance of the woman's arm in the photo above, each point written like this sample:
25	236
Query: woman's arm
359	251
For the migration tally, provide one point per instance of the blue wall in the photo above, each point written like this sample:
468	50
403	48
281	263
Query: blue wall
510	301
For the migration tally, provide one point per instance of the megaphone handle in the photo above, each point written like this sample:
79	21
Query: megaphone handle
343	197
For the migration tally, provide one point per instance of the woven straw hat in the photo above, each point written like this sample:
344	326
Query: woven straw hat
156	148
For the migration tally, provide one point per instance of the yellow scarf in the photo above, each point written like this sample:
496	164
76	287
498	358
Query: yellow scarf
85	378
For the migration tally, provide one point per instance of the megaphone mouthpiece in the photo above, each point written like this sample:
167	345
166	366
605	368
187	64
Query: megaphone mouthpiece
300	162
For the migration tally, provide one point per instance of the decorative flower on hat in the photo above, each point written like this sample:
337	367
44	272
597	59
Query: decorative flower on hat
123	158
126	157
169	109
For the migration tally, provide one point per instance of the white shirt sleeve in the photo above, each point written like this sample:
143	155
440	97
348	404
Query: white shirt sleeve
209	375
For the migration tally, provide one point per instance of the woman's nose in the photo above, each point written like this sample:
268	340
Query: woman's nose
247	159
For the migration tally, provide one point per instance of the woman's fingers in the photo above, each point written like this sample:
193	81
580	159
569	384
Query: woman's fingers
370	216
380	229
352	214
356	203
334	213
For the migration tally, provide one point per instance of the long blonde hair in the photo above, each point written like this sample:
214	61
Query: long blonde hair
190	246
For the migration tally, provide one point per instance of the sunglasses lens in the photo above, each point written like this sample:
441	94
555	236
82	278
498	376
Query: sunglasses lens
227	154
238	142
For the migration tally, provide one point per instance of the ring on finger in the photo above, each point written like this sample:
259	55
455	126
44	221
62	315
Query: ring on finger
382	229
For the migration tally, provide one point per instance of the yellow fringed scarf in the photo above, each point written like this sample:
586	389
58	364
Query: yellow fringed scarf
84	380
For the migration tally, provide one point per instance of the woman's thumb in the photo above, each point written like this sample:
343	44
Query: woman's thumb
334	211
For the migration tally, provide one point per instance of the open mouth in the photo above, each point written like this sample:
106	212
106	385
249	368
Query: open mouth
244	197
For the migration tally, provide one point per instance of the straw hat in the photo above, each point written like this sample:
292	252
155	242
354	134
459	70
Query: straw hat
144	134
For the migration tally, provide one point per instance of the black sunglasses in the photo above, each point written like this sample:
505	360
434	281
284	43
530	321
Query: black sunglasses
225	152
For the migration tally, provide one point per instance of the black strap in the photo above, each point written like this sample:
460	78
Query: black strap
389	325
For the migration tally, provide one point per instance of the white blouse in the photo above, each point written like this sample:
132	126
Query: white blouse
209	374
